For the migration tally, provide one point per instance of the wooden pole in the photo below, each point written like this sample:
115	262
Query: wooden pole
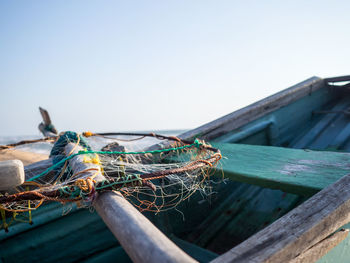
141	240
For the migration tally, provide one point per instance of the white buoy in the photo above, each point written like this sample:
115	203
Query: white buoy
11	174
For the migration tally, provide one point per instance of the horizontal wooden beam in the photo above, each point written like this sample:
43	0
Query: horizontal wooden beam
297	231
297	171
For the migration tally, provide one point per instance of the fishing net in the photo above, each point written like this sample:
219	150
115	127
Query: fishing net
154	172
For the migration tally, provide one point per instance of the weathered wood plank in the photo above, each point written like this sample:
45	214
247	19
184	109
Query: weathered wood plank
298	230
142	241
254	111
322	248
296	171
69	238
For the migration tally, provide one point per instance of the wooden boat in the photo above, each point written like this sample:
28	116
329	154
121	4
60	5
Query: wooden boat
281	203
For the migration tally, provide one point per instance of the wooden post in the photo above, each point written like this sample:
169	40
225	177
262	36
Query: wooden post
141	240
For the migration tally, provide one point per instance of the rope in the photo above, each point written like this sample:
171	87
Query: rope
196	143
12	145
184	179
84	188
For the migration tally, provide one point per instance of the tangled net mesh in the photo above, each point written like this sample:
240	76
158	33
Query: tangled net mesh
156	179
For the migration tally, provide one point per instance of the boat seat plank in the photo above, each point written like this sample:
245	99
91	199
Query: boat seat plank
297	171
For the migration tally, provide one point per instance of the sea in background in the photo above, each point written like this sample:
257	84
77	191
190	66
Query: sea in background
96	143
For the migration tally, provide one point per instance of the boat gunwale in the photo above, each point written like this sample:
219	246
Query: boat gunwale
252	112
255	111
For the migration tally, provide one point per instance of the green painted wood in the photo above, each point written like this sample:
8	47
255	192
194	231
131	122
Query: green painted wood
291	122
67	239
41	216
321	125
115	254
296	171
200	254
245	210
232	213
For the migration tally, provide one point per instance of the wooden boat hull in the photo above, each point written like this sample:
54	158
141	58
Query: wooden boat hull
206	227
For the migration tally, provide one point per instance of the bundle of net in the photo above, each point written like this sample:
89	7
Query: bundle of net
154	172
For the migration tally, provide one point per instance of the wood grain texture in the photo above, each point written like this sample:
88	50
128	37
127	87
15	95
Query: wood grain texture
302	172
142	241
322	248
254	111
299	230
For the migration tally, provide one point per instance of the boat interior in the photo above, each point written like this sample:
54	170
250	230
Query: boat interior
272	152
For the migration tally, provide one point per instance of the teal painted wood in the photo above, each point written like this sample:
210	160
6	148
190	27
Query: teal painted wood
117	254
114	254
290	122
198	253
329	135
341	138
321	125
41	216
295	171
253	130
66	239
245	210
336	139
233	212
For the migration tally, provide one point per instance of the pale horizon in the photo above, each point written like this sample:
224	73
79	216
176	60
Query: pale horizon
132	66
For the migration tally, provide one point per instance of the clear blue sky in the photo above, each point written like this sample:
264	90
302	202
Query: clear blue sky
150	65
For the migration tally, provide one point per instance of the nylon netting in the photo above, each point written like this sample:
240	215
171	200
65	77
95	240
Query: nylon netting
154	172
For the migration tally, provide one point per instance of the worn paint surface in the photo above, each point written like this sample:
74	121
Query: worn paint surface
298	171
231	214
